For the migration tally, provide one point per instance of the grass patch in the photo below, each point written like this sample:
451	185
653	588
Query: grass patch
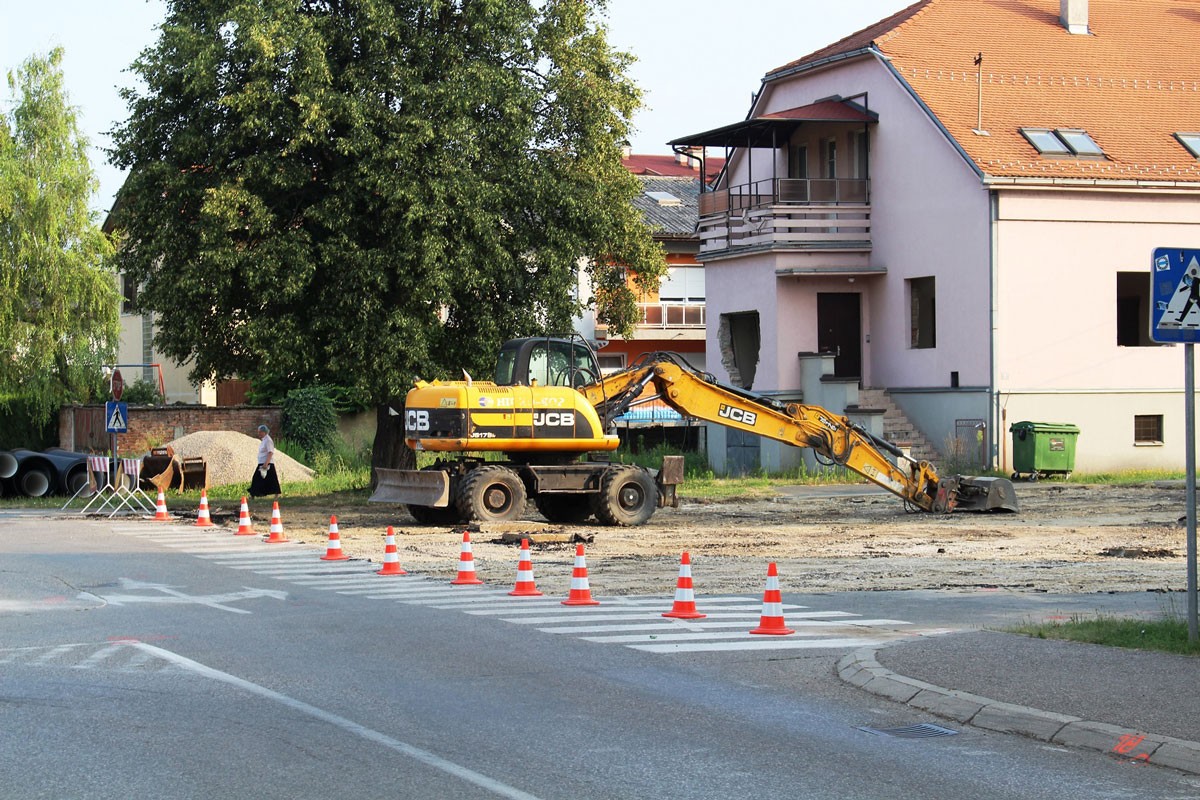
1128	477
1168	634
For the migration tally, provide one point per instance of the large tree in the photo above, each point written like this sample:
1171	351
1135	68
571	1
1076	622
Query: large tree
361	192
58	297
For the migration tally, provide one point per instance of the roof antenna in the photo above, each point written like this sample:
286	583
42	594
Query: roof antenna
979	131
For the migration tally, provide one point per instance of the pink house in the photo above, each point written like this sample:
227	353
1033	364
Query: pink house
951	214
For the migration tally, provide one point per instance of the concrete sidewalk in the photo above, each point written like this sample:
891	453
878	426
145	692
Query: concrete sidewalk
1127	703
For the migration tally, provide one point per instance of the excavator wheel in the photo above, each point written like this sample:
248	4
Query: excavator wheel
431	515
628	496
491	494
567	509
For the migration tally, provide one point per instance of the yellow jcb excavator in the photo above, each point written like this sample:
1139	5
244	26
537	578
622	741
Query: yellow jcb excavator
552	414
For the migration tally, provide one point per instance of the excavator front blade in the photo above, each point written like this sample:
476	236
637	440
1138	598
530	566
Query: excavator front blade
985	494
412	487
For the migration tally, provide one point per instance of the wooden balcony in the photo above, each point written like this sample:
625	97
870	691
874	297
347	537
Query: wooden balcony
787	213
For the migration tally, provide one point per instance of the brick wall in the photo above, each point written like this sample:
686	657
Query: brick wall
81	428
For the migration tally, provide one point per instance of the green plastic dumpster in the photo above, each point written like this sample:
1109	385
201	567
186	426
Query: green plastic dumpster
1043	448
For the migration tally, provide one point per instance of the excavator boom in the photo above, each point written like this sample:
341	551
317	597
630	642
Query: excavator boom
835	438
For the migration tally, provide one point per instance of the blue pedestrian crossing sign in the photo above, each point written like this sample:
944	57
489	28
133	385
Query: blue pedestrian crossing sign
1175	295
116	417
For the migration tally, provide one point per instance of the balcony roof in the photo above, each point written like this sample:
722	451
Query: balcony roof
769	130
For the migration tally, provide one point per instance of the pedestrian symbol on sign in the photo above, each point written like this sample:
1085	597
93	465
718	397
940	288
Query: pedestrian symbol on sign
116	416
1175	312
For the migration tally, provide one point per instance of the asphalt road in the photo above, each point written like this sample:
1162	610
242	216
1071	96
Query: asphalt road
141	661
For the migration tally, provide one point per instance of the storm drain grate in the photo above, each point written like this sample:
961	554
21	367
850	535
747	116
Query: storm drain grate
923	730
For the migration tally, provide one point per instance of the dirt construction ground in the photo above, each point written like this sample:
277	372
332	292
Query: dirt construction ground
1066	538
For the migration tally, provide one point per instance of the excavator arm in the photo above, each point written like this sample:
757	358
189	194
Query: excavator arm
833	437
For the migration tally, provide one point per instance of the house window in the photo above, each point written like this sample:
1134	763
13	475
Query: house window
1147	429
682	285
1133	310
614	362
798	161
1063	142
922	313
829	157
129	292
1191	141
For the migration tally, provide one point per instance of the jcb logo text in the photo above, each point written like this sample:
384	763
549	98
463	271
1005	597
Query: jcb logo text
554	418
738	414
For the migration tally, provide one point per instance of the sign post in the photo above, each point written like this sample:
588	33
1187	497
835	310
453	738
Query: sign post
1175	317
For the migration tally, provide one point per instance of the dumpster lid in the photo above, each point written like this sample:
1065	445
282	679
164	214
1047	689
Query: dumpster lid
1044	427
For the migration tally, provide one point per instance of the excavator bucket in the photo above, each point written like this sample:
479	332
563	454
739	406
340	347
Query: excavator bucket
412	487
985	494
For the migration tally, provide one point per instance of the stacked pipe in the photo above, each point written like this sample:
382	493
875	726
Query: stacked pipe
33	474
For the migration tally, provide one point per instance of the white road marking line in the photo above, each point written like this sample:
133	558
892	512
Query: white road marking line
661	625
683	637
763	643
424	756
600	616
100	655
260	553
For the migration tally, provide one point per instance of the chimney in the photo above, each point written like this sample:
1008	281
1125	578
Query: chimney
1074	15
626	150
696	153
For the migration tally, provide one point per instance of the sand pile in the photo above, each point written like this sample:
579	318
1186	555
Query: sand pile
231	457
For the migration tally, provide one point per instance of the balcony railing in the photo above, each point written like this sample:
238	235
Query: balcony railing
672	315
787	212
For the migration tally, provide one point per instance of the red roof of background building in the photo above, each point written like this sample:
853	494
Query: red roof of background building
669	167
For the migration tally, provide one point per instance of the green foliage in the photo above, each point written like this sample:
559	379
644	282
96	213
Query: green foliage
58	296
1168	634
142	393
21	426
309	420
363	193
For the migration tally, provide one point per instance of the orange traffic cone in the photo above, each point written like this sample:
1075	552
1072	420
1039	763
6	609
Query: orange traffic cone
525	586
276	526
771	621
466	565
203	520
334	551
160	508
684	606
580	594
391	558
245	528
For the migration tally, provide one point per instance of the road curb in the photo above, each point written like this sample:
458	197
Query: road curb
861	669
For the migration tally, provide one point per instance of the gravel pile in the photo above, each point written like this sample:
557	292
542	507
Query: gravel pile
231	457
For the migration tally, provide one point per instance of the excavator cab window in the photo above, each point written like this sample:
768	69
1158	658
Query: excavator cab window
548	362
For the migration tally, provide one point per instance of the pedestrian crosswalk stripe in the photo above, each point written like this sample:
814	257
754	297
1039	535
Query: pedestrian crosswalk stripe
635	622
759	643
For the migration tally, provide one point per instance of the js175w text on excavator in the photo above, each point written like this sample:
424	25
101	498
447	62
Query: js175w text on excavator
552	415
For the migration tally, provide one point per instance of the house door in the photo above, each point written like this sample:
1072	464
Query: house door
839	331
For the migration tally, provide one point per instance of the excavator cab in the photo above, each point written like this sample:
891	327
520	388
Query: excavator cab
547	361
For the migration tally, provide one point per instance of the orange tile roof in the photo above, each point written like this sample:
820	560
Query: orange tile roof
1130	84
669	167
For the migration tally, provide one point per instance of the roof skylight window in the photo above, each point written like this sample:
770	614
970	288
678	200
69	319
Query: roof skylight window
664	198
1080	143
1045	142
1191	141
1063	142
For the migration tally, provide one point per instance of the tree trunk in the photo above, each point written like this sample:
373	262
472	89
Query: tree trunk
389	450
